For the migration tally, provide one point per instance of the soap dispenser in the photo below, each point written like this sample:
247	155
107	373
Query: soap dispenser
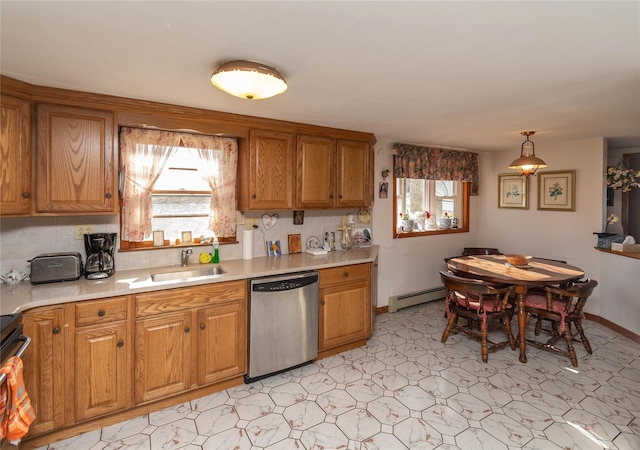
216	256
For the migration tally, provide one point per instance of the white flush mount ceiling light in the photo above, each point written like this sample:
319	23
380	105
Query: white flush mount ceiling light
248	79
528	163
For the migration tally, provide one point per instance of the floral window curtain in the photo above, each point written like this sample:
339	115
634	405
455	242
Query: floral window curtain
144	154
220	158
414	161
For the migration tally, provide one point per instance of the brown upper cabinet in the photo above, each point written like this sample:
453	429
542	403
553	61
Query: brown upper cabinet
354	176
332	173
76	163
65	162
270	177
15	157
316	158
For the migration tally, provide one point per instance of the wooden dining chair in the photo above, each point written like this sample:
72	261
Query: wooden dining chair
478	301
562	307
468	251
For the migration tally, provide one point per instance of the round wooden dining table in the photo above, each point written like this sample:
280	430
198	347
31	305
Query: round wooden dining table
496	269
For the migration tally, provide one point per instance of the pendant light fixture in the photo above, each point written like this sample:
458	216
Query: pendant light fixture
528	163
249	80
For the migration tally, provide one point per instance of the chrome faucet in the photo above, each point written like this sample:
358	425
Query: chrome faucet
185	257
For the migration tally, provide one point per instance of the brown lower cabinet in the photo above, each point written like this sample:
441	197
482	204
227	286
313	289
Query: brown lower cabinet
44	363
95	362
344	306
101	353
189	337
162	356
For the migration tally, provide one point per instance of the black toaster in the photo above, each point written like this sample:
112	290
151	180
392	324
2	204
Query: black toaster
52	267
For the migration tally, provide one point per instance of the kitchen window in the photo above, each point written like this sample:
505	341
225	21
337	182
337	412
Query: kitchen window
431	188
175	183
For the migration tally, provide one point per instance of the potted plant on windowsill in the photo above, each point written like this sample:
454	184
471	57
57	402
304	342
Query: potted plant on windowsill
445	220
406	223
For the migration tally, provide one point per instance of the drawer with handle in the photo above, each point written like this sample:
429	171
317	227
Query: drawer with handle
342	274
101	311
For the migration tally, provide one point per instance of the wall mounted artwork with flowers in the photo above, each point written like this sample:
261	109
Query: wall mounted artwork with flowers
513	191
556	190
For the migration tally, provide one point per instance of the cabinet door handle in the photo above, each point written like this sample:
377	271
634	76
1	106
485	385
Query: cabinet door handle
26	194
101	313
107	195
120	343
202	326
56	330
346	275
322	302
253	196
187	329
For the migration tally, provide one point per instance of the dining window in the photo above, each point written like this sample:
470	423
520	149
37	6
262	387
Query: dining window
431	189
424	207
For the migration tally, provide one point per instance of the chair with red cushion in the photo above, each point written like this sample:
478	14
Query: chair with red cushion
479	301
562	307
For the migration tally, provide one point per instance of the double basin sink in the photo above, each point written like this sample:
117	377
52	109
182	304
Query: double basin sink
186	273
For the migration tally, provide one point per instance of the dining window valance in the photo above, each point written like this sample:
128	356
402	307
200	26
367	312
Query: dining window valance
429	163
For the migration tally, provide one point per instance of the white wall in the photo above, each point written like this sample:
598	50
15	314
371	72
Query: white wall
410	264
566	235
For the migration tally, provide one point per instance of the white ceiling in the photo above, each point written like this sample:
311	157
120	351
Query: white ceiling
470	75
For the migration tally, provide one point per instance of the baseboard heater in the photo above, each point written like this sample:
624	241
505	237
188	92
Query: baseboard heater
397	302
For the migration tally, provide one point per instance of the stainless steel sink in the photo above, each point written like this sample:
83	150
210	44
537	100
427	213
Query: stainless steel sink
186	274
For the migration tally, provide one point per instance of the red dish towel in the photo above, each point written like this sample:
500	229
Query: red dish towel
15	406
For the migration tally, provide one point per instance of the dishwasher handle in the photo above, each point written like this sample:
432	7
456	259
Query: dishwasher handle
285	285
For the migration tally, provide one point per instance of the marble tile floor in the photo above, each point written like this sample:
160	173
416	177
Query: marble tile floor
406	390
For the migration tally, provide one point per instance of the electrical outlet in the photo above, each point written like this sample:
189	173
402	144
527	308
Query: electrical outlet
250	223
83	229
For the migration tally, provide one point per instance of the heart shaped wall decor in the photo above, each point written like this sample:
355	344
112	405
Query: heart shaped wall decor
269	220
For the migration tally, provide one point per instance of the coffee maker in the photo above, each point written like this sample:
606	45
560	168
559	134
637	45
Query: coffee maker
99	248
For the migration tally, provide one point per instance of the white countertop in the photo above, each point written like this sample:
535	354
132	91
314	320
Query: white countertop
23	296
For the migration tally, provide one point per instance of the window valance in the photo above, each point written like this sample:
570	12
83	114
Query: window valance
415	161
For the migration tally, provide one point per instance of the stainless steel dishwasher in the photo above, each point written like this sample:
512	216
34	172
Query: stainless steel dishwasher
283	323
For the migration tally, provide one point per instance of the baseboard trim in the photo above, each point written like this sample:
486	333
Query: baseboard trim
382	310
615	327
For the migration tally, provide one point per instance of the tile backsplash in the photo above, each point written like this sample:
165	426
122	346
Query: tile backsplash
24	238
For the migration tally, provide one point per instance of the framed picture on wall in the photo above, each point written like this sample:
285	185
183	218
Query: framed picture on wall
556	190
513	191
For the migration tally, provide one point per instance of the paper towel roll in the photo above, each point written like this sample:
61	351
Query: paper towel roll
247	244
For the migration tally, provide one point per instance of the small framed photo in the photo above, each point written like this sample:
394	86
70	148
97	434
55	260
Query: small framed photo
513	191
556	190
298	217
384	190
274	248
158	238
187	237
361	237
295	243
